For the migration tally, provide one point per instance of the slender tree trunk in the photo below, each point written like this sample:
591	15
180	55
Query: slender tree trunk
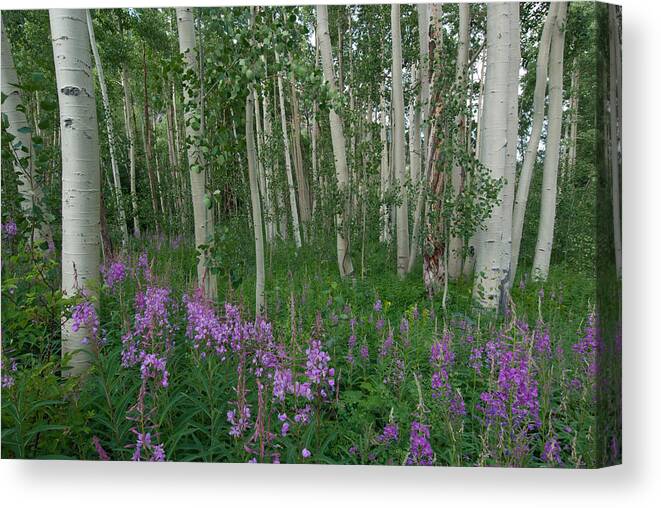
202	216
290	179
385	168
264	179
130	135
430	158
423	36
512	146
455	256
23	156
530	157
399	154
302	186
117	184
80	173
542	259
270	190
339	149
148	142
260	305
414	135
493	154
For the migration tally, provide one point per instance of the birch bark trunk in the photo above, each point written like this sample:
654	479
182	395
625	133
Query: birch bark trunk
339	148
544	247
28	187
493	154
399	154
288	164
130	135
455	256
81	179
260	305
117	184
384	235
202	216
530	157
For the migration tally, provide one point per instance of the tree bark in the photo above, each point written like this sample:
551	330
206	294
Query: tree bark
542	259
290	179
493	154
399	154
80	172
260	305
202	216
384	235
23	161
130	134
530	157
455	256
339	149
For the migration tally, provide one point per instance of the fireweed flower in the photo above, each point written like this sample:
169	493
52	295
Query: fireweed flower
84	316
380	323
378	306
551	453
146	448
152	330
386	346
113	273
9	229
390	434
515	401
239	420
306	453
364	352
420	453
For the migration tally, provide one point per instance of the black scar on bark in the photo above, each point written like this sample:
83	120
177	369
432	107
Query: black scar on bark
68	122
71	90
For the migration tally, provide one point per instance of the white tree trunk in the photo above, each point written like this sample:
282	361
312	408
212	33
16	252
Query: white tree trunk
512	142
399	155
130	134
80	171
415	156
263	180
28	187
385	168
290	178
423	37
493	154
455	256
530	157
339	149
202	216
260	305
117	184
542	259
270	194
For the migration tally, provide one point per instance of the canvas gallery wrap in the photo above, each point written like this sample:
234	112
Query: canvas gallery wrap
347	234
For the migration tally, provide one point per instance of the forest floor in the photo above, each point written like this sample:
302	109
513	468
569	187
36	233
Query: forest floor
361	371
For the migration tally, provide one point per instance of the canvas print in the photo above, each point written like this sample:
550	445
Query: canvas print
348	234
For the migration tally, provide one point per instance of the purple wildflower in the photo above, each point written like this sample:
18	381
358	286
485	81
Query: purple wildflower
421	453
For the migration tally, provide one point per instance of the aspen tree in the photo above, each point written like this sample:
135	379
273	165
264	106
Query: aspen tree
202	215
399	155
339	147
81	180
544	247
530	156
117	184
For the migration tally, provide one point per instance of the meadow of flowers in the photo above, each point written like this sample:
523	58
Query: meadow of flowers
337	373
